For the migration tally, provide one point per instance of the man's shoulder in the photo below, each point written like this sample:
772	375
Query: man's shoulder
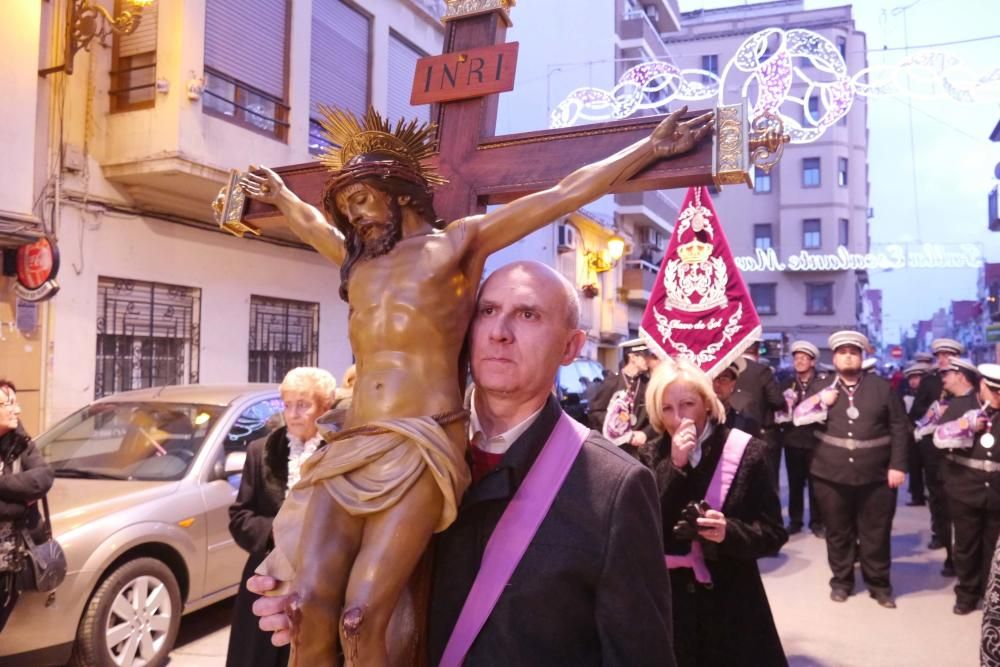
604	462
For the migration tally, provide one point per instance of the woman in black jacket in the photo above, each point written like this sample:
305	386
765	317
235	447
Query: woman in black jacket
272	467
24	479
720	610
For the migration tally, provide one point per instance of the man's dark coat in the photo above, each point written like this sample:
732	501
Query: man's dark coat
591	589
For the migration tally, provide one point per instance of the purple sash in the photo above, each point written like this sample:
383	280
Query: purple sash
514	532
718	489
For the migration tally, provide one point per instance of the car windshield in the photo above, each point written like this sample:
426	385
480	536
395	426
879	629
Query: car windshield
128	441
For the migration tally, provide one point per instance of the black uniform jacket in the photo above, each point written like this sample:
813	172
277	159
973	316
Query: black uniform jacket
881	414
735	611
591	589
977	488
598	409
757	395
803	437
928	391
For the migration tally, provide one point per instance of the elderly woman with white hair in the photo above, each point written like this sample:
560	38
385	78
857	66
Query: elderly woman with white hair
272	467
720	513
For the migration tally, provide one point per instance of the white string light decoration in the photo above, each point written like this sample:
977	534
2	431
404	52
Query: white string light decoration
764	76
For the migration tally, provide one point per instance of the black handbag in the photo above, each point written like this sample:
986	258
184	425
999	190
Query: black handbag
45	566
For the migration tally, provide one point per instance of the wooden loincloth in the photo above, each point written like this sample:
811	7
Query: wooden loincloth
367	470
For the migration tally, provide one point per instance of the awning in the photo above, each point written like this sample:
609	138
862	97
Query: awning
17	229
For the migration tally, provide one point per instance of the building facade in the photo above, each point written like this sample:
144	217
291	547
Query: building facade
815	201
120	161
596	42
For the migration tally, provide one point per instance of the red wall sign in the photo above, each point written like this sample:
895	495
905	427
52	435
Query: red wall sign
37	265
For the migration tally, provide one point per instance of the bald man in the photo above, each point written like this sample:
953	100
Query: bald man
591	587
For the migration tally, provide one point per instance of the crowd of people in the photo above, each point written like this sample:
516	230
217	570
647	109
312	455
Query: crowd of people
629	567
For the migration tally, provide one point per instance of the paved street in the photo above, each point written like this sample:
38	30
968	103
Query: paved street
814	630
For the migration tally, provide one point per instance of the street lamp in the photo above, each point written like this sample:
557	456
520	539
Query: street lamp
86	20
605	259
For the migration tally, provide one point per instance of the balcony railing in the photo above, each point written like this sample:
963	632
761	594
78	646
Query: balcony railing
638	279
240	103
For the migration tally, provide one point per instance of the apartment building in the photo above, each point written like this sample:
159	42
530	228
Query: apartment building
120	161
594	45
814	202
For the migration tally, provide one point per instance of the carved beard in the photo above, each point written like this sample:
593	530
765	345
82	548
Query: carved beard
382	236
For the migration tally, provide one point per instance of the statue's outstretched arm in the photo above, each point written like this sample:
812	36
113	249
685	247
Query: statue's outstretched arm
504	226
307	221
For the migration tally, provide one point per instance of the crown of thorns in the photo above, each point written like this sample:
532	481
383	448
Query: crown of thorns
364	144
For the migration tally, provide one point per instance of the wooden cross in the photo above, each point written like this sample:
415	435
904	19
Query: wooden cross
485	169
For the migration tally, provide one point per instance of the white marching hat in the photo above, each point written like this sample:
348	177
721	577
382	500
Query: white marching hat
991	375
869	364
633	345
737	366
806	347
960	364
916	368
925	357
848	337
947	345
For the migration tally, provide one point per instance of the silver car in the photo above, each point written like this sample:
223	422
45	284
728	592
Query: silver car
144	480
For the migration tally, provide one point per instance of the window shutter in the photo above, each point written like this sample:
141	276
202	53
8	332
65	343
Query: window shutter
246	40
340	57
143	40
402	64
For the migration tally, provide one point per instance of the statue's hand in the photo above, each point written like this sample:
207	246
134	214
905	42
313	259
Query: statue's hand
262	184
220	203
672	137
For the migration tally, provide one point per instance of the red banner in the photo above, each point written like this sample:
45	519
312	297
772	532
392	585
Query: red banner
700	308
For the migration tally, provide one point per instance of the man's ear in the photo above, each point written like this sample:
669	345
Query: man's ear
573	346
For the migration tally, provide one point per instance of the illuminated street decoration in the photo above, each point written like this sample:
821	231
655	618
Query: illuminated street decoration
763	71
892	256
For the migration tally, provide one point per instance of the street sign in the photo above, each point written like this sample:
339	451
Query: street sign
993	333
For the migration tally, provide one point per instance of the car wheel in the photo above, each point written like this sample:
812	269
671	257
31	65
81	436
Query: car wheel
132	619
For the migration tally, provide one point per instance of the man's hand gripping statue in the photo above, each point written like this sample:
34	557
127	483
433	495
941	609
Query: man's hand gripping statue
352	531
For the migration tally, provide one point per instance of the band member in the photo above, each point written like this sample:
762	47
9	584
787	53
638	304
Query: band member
724	384
619	409
913	373
971	476
859	462
757	397
929	391
961	384
800	441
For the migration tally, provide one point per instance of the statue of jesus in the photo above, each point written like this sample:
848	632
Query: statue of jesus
353	529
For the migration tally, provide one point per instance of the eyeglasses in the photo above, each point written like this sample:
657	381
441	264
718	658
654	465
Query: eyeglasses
10	405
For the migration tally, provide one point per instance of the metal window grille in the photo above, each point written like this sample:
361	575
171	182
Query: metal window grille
284	334
148	334
133	73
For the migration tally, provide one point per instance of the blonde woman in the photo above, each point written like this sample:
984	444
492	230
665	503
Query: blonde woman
720	610
272	468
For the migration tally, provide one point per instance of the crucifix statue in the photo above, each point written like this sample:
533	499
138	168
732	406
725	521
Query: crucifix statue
352	531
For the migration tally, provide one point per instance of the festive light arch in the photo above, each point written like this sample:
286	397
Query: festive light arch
763	71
